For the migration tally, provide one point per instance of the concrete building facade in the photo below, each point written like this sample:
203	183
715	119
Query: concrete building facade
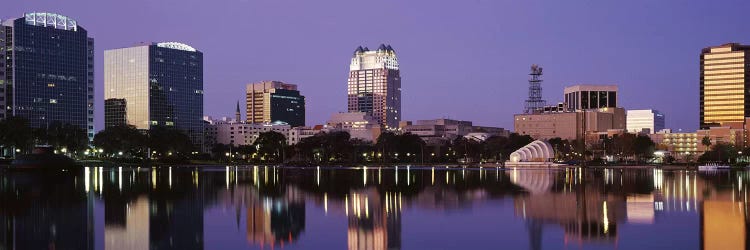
374	85
569	125
275	101
645	120
441	130
588	96
360	125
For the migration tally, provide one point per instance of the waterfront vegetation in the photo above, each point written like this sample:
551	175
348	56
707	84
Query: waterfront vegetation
170	145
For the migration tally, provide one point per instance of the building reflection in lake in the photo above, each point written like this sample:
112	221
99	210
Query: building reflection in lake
151	208
162	208
45	211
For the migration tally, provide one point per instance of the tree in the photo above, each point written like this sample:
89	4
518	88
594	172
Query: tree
643	147
270	145
466	149
59	135
15	133
126	139
721	152
706	141
387	145
169	141
494	146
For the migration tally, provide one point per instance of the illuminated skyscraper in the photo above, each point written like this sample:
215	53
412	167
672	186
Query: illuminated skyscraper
723	85
274	101
159	84
375	85
47	71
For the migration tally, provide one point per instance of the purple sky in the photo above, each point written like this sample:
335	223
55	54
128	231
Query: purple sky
466	59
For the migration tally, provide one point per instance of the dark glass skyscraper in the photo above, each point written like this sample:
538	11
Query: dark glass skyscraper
159	84
48	71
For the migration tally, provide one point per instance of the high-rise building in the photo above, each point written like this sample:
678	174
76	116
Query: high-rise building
646	119
374	85
274	101
158	84
584	97
47	71
723	86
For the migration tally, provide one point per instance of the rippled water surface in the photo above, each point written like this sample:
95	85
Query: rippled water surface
372	208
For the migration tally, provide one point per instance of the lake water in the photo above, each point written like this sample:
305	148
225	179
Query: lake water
371	208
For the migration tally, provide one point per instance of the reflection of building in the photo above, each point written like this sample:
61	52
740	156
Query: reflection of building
161	84
645	120
274	101
374	220
127	226
723	225
49	64
585	213
275	224
374	85
45	213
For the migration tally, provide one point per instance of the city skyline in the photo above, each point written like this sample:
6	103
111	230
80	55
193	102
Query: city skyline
653	51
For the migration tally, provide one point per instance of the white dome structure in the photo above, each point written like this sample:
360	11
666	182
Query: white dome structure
537	151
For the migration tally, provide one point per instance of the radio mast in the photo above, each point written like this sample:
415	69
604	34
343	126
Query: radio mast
535	101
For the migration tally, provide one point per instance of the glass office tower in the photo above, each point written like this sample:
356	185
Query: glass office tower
158	84
48	71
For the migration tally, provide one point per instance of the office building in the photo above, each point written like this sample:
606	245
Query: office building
47	71
274	101
359	125
683	144
584	97
439	131
723	80
647	120
156	84
569	125
374	85
231	132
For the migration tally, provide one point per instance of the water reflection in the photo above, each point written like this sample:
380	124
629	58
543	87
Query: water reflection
274	207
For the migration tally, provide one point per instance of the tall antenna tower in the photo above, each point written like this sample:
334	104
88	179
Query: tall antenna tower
535	101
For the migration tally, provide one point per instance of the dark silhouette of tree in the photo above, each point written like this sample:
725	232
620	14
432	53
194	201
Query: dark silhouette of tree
15	133
643	147
167	141
59	135
270	145
126	139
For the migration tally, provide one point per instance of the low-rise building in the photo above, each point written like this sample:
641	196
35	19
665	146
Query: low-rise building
569	125
645	121
296	134
682	144
441	130
360	125
238	133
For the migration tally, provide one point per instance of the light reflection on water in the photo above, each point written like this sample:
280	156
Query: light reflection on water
410	207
